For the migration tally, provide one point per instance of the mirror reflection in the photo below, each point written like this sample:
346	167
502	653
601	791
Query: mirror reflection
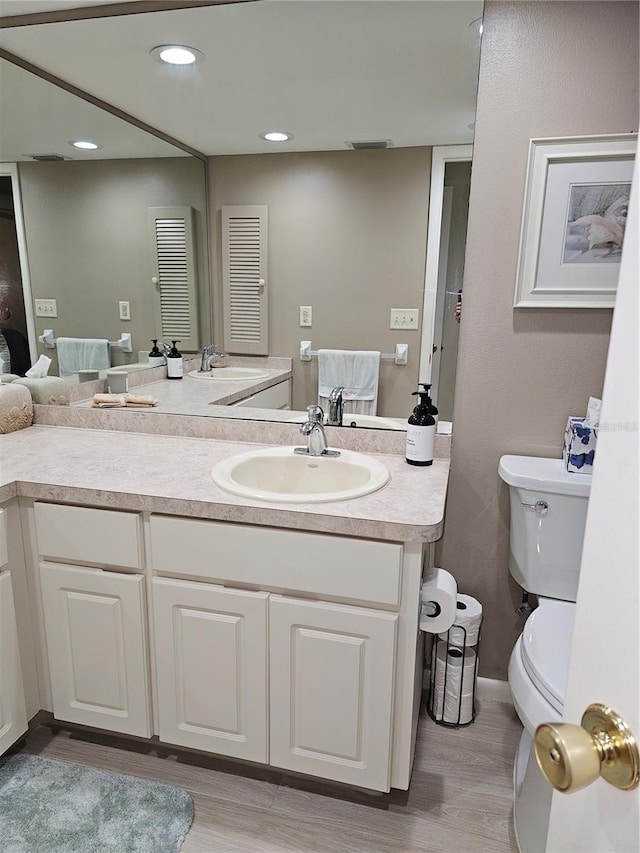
345	231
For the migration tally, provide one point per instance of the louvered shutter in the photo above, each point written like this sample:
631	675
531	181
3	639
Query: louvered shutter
173	252
244	279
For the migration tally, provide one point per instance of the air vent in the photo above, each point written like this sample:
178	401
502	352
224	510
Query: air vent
372	143
47	158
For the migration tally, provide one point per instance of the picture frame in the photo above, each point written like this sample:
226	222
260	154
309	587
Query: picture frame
576	198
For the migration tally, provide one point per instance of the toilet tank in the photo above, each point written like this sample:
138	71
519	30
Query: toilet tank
545	544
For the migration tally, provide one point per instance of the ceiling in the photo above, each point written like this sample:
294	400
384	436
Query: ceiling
328	72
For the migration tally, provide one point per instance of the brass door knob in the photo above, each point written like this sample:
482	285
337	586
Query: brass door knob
602	745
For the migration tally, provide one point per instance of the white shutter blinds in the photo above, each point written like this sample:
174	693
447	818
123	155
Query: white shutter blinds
172	238
244	279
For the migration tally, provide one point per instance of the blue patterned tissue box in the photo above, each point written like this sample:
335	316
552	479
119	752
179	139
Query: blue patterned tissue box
579	448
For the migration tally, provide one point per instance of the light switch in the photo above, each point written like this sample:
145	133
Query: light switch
404	318
46	307
306	315
125	310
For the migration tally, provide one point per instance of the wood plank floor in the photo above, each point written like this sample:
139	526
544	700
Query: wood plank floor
459	800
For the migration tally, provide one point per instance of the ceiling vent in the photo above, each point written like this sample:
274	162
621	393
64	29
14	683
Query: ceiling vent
46	158
369	144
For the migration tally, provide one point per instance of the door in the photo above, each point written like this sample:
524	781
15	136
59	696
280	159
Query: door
211	659
97	647
331	698
13	714
605	664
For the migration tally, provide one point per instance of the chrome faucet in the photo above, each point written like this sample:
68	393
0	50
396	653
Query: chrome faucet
335	406
211	358
315	435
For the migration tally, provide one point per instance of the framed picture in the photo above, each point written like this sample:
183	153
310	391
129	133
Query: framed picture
573	223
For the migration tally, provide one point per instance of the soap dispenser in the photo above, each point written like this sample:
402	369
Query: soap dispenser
156	359
421	430
174	362
432	409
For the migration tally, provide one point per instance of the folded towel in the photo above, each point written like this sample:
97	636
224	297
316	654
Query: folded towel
118	401
76	354
356	371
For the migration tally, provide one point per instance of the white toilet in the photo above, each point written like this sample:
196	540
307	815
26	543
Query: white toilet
548	515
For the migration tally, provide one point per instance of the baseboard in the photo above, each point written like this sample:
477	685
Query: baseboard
493	689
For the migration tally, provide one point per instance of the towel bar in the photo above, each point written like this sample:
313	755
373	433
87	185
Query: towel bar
124	342
399	356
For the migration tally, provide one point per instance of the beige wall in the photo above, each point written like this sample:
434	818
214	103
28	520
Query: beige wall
547	69
88	242
347	235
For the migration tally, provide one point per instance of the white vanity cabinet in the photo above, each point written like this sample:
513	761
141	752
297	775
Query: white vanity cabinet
275	397
13	714
298	680
94	616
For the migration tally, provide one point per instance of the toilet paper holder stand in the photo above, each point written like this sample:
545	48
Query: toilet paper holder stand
442	686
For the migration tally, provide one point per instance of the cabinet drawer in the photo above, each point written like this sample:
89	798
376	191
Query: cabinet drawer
276	397
315	564
83	535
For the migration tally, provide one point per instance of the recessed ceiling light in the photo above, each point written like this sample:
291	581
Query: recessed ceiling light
276	136
177	54
85	144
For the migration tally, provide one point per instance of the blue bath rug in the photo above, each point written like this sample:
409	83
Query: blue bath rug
49	806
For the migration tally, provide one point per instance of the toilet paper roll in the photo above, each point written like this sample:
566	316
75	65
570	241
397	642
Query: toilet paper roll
453	684
465	630
439	598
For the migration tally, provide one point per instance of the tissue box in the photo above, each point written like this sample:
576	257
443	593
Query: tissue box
579	448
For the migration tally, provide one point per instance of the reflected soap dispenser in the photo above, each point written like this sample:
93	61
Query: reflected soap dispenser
156	359
421	430
174	362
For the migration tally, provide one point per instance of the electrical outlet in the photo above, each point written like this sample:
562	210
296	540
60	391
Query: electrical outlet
46	308
404	318
125	310
306	315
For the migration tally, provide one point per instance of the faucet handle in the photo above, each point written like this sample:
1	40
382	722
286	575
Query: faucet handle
315	414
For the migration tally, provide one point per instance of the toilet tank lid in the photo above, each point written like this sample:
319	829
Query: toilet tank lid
544	475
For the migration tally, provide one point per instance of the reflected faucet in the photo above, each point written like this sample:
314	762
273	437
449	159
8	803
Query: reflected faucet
315	434
335	406
211	358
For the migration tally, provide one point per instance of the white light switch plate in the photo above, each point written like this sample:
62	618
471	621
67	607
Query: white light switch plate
46	307
404	318
306	315
125	310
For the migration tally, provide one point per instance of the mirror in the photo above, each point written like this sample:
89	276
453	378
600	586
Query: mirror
347	228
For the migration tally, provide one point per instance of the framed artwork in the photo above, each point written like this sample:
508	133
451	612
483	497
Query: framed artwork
575	211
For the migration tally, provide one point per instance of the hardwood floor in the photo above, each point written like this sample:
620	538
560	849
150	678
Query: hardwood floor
460	799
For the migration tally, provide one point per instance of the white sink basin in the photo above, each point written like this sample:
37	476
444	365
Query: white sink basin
279	474
236	374
371	421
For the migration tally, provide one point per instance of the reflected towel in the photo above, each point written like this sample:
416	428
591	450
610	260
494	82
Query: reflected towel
356	371
76	354
118	401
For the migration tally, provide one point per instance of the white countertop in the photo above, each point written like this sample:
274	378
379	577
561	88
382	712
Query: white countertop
172	475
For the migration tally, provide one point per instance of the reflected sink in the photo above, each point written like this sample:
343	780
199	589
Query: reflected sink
237	374
371	421
279	474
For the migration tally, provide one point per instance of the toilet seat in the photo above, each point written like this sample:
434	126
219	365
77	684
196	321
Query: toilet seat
539	663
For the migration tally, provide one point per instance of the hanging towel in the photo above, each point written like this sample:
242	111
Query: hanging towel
76	354
356	371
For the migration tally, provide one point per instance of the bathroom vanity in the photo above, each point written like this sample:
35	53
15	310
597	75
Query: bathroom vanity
154	604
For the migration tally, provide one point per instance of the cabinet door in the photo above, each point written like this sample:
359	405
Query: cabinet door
211	659
97	647
331	695
13	715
